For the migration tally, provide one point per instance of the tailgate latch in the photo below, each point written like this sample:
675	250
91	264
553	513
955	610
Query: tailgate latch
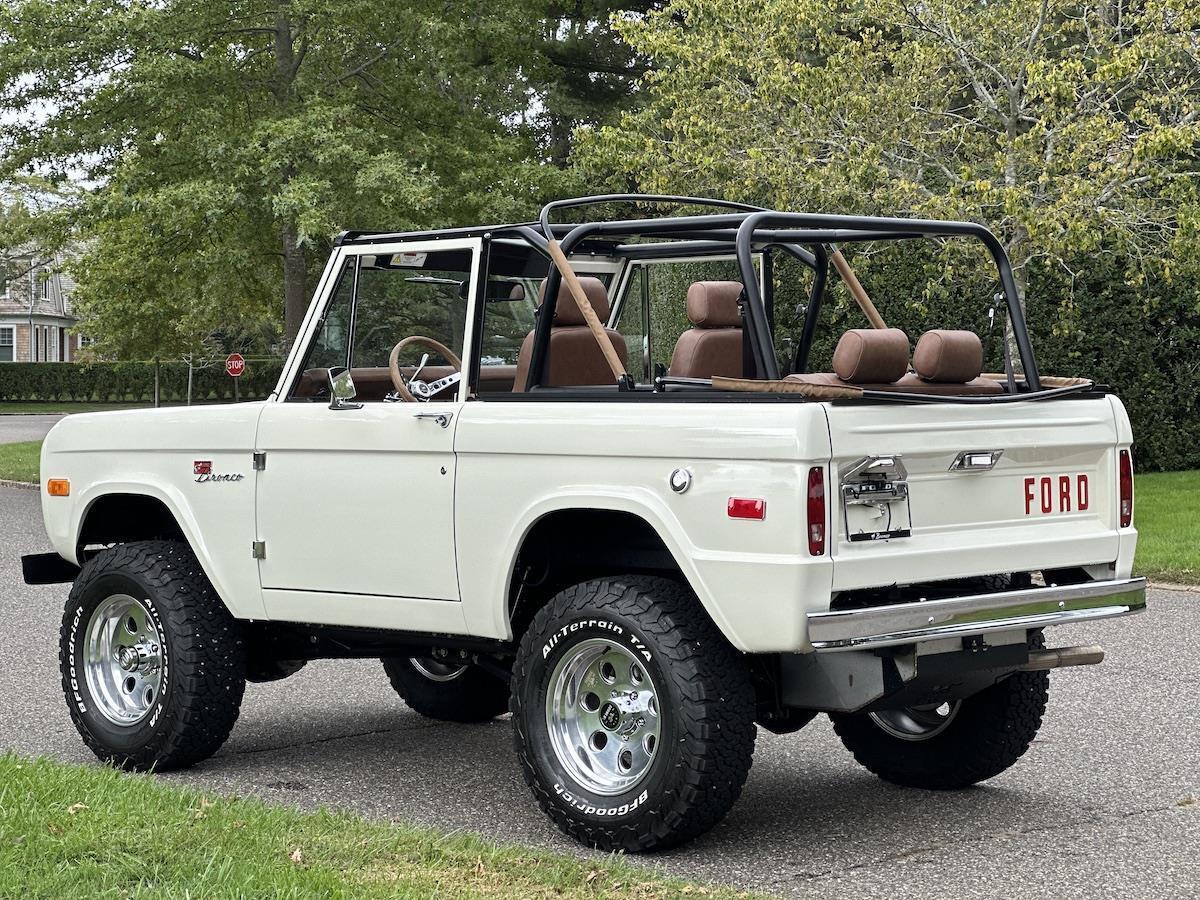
875	503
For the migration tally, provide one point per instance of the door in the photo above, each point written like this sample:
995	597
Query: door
356	504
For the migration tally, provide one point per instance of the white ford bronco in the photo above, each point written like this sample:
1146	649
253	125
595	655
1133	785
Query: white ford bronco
576	471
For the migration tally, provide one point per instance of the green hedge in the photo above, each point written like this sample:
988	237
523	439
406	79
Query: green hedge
133	382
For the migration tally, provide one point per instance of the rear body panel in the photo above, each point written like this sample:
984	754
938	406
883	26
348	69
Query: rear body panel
1048	502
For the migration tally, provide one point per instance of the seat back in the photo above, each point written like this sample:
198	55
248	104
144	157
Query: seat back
575	357
713	345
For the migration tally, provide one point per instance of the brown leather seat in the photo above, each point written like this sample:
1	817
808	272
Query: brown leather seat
870	358
575	357
946	362
713	345
949	362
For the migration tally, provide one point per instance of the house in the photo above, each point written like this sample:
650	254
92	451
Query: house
35	309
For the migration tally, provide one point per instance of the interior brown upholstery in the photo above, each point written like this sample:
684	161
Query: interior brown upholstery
871	356
575	357
948	357
946	362
713	345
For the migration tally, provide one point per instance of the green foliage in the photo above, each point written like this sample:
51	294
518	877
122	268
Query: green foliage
1168	531
229	143
1071	130
70	831
133	382
20	461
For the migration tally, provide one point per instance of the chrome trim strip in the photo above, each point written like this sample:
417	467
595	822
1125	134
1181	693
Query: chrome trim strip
928	620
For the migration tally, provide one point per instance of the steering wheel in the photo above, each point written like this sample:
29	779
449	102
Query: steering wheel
415	391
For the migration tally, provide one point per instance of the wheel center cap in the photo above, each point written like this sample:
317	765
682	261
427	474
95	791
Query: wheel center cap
610	716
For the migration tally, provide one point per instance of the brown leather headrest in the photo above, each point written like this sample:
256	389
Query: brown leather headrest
567	311
871	356
949	357
713	304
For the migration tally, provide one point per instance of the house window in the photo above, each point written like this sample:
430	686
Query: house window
43	279
6	343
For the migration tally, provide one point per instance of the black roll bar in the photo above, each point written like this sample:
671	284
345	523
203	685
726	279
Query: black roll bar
892	228
596	199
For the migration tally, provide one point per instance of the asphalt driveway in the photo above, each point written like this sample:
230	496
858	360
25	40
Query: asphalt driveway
25	428
1105	804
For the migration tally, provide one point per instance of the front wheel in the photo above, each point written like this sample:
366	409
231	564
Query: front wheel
633	716
953	744
153	664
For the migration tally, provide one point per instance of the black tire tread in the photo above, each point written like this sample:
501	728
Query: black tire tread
990	733
475	696
207	646
718	736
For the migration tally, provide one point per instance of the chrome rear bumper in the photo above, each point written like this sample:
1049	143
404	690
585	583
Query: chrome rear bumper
931	620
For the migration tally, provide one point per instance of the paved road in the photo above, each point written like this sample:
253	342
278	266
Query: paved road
25	428
1105	804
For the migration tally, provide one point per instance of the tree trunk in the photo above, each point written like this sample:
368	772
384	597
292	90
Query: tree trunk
295	289
295	264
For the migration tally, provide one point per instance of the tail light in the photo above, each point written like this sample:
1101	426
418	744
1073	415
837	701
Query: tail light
1126	489
816	511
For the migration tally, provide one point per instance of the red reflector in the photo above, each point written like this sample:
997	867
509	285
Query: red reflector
745	508
1126	494
816	511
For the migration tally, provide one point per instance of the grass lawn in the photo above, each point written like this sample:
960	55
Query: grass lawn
86	831
44	408
1167	515
19	462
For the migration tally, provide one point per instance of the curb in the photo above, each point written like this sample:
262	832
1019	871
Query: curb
1169	586
4	482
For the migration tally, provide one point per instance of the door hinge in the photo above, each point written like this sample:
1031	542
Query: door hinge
258	549
260	460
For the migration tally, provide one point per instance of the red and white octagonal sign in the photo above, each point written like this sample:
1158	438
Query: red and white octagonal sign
235	365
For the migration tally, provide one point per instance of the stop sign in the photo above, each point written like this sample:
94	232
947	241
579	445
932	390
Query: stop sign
235	365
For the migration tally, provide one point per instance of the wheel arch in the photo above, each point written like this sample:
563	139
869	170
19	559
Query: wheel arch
123	512
573	541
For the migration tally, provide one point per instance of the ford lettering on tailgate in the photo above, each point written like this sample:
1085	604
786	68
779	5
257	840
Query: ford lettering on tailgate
1056	494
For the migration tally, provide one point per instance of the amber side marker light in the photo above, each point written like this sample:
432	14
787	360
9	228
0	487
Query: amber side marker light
58	487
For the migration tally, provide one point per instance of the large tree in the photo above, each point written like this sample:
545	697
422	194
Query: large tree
1069	127
581	73
226	143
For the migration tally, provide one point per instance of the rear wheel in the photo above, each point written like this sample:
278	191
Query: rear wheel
152	662
446	689
952	744
633	716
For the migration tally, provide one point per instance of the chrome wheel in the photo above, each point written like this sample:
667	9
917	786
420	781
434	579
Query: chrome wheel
602	714
917	723
122	659
436	670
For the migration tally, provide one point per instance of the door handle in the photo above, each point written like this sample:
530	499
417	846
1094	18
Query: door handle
442	418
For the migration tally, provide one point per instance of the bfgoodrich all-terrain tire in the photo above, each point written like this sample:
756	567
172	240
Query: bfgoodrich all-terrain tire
448	691
152	662
953	745
633	716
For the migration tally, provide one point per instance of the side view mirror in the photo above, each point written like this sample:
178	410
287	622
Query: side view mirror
341	389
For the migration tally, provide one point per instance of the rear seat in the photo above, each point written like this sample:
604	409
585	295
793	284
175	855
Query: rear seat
945	362
949	362
869	358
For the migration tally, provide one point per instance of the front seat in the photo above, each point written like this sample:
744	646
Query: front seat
575	357
713	345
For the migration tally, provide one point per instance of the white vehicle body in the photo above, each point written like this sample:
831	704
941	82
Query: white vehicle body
641	570
338	552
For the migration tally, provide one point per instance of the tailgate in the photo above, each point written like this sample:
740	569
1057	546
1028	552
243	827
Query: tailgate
974	490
